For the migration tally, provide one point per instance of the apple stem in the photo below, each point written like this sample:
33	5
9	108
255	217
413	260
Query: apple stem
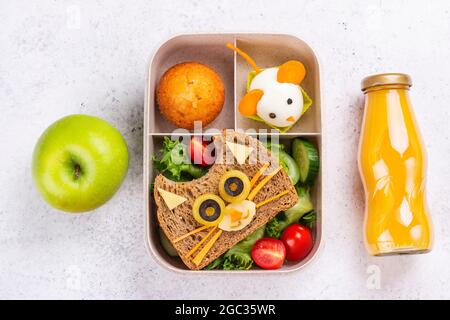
77	171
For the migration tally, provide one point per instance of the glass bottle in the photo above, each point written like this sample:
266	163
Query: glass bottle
392	164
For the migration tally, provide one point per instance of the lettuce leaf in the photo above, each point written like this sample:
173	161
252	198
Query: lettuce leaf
304	205
238	257
174	163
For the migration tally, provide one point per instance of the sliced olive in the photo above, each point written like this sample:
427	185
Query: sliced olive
208	209
234	186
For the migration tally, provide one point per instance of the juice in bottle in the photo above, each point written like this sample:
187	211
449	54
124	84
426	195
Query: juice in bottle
392	164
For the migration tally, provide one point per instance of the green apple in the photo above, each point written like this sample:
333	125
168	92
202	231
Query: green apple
79	162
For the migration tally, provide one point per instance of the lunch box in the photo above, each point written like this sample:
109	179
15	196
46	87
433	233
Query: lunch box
267	50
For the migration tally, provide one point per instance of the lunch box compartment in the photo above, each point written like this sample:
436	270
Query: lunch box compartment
267	50
272	51
207	49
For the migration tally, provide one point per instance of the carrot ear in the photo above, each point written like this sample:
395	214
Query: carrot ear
248	104
292	71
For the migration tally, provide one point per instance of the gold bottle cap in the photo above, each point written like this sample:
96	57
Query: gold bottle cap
385	79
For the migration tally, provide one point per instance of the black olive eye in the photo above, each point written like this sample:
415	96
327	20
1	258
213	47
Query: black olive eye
234	186
210	210
289	101
272	115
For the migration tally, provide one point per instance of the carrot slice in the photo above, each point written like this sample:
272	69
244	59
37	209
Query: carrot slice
291	119
235	215
292	71
248	104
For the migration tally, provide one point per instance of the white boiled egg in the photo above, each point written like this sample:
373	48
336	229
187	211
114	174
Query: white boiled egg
282	103
238	215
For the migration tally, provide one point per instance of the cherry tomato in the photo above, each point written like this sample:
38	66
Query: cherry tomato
201	152
298	241
269	253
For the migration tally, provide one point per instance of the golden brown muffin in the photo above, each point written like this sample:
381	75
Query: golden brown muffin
188	92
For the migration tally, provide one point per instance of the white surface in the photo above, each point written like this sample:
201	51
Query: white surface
65	57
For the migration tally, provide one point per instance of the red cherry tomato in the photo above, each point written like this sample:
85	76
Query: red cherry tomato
298	241
269	253
201	152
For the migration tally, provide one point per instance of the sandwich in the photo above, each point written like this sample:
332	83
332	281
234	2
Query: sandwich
242	191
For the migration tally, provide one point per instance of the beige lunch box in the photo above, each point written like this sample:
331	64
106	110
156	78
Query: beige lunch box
267	50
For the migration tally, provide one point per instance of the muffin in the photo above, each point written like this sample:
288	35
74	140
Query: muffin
189	92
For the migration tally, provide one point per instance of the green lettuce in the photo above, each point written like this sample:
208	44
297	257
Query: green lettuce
238	257
175	163
309	219
304	205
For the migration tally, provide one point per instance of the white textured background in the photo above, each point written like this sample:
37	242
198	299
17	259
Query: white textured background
64	57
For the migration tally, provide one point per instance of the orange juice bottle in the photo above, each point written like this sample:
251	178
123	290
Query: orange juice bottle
392	164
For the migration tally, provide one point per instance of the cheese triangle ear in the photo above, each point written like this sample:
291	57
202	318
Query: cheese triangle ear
240	151
172	200
292	71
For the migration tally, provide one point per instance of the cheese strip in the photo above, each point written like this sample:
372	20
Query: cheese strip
262	184
200	243
258	174
199	257
272	198
190	233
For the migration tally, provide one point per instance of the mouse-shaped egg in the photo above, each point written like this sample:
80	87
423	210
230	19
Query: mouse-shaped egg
274	94
281	104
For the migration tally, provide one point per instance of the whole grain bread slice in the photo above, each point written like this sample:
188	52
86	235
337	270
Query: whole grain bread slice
179	221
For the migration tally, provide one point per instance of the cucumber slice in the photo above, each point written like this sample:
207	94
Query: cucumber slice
167	245
286	161
307	158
